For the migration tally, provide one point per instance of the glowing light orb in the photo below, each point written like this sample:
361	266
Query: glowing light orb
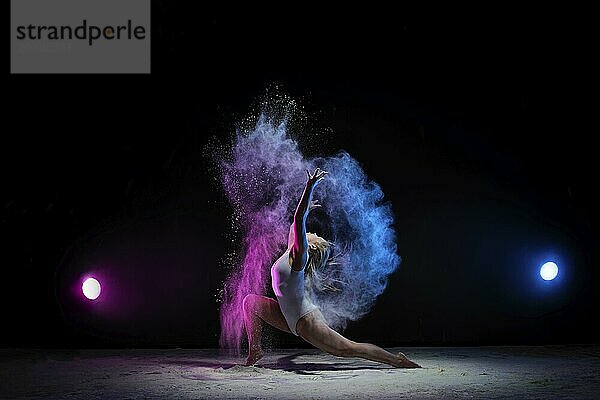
91	288
549	271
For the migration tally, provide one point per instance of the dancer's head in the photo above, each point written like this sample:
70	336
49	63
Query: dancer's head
319	250
319	259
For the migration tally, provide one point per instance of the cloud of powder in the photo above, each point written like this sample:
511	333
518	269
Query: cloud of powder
263	175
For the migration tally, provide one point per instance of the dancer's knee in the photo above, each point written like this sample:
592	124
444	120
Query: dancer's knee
356	349
248	302
338	352
347	349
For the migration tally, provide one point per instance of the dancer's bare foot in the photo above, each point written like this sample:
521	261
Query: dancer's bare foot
404	362
254	357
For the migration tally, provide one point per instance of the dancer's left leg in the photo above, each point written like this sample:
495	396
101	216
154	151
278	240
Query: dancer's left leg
314	329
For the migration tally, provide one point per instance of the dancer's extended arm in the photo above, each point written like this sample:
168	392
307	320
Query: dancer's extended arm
299	250
291	235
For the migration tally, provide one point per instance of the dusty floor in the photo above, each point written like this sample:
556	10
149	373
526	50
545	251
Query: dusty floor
565	372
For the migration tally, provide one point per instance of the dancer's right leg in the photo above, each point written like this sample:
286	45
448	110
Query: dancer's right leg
256	309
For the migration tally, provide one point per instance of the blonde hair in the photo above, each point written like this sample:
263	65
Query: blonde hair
320	260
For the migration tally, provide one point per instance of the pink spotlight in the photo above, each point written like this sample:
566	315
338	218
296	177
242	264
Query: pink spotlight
91	288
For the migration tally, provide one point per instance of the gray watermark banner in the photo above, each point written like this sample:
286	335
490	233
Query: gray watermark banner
80	36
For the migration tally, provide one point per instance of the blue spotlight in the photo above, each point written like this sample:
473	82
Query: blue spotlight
549	271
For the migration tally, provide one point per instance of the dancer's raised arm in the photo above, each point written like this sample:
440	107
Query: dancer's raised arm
299	250
313	204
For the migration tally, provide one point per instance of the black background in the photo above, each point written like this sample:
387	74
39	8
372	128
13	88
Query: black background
477	124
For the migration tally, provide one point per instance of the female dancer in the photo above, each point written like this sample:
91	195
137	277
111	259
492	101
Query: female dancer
295	313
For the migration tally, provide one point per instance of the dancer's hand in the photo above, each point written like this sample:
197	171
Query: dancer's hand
317	177
313	204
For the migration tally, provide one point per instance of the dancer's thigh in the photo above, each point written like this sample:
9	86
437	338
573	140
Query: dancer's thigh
314	329
268	310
